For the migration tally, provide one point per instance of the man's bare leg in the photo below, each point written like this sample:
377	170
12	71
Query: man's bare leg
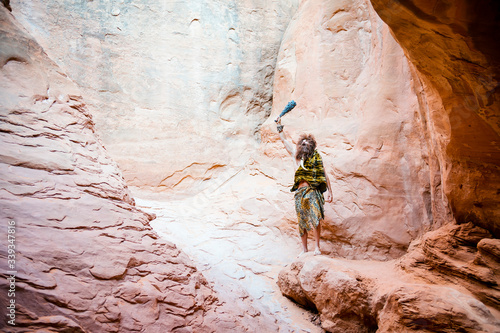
317	235
304	243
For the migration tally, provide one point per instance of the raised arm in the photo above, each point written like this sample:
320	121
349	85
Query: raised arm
288	146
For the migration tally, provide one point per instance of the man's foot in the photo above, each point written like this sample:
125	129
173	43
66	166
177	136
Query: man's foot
317	252
301	254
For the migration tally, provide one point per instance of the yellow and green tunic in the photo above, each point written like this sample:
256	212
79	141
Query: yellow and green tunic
309	200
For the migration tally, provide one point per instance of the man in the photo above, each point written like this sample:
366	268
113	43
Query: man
310	182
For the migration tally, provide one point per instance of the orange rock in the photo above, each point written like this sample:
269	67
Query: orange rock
433	293
455	48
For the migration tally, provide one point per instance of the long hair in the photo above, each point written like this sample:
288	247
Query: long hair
305	147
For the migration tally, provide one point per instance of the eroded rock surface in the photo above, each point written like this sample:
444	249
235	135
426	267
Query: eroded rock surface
356	92
240	255
178	89
448	280
86	260
391	122
454	45
444	284
464	254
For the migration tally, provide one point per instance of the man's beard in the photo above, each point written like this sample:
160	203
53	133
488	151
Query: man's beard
304	152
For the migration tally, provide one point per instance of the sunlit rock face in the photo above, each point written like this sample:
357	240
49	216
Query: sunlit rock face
448	282
454	45
359	95
85	259
448	279
178	89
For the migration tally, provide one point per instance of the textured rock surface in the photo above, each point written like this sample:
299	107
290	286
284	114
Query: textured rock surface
466	255
356	93
241	254
86	258
448	122
173	85
180	92
443	284
454	45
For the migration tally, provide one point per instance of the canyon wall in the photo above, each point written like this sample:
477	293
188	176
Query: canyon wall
178	89
448	279
180	94
82	257
359	95
454	45
179	97
405	115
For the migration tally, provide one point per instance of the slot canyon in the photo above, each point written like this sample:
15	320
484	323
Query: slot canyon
144	186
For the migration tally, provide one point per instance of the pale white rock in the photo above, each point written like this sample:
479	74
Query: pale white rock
178	89
86	259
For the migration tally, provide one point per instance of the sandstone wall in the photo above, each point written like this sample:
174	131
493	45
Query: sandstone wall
180	94
454	46
359	95
448	279
86	260
178	89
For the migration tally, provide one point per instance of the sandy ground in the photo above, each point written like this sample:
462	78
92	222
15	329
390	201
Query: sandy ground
239	255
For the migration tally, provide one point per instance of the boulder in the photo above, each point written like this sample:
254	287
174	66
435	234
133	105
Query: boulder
464	255
418	292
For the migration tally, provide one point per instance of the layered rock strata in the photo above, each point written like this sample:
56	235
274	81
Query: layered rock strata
85	259
448	282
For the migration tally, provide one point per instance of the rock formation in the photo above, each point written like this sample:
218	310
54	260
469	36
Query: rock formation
178	90
448	280
454	46
86	260
357	93
402	98
204	106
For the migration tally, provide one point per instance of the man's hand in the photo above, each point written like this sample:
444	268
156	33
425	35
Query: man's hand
329	196
279	127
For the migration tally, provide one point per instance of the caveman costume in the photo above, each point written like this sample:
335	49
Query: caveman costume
309	200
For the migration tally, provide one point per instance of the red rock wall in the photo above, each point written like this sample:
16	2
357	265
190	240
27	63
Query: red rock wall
448	279
455	48
360	96
86	260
